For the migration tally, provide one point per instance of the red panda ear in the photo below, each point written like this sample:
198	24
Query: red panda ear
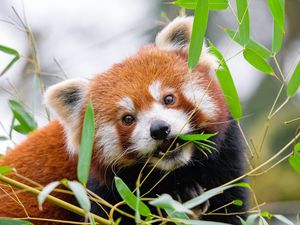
67	99
176	35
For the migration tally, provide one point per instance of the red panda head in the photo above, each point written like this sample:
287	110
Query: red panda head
143	103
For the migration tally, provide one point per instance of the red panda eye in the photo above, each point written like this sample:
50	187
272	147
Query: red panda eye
128	119
169	99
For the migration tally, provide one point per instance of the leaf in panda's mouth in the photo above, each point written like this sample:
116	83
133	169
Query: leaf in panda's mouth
201	141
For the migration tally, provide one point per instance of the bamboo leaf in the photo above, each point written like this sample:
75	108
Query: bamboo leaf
14	222
27	122
294	161
80	195
244	25
130	198
5	169
277	10
227	85
237	202
211	193
198	32
45	192
196	137
198	222
257	61
283	219
252	45
277	37
165	201
212	4
87	143
294	82
3	138
9	51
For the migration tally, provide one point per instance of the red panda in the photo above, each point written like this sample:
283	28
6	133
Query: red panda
140	105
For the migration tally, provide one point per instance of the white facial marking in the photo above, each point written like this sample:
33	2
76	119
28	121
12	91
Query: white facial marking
107	141
127	103
155	90
177	119
183	158
200	97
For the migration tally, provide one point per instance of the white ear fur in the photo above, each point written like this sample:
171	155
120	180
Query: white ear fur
176	36
66	99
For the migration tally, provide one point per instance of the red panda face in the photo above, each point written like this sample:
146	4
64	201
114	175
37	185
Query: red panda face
145	102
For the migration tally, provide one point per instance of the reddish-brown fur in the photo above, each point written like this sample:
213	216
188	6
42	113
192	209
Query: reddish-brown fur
43	158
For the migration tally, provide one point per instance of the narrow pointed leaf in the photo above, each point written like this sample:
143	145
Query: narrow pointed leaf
87	143
3	138
294	160
46	191
196	137
27	122
277	38
80	195
14	222
5	169
283	219
9	51
130	198
165	201
251	219
277	10
212	4
198	33
294	82
244	25
258	62
91	219
237	202
252	45
227	85
209	194
198	222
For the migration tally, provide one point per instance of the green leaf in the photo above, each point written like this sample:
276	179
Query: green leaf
80	195
198	32
277	37
277	10
9	51
297	148
227	85
257	61
212	4
165	201
252	45
209	194
251	219
14	222
294	161
3	138
283	219
262	221
5	169
137	217
294	82
27	122
196	137
237	202
266	214
46	191
130	198
198	222
118	221
91	219
87	143
244	25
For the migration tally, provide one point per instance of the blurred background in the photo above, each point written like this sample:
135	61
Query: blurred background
83	38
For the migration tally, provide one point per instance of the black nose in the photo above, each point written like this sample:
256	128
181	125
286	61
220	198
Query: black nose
159	130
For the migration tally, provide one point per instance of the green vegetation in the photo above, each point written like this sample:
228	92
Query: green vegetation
255	53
